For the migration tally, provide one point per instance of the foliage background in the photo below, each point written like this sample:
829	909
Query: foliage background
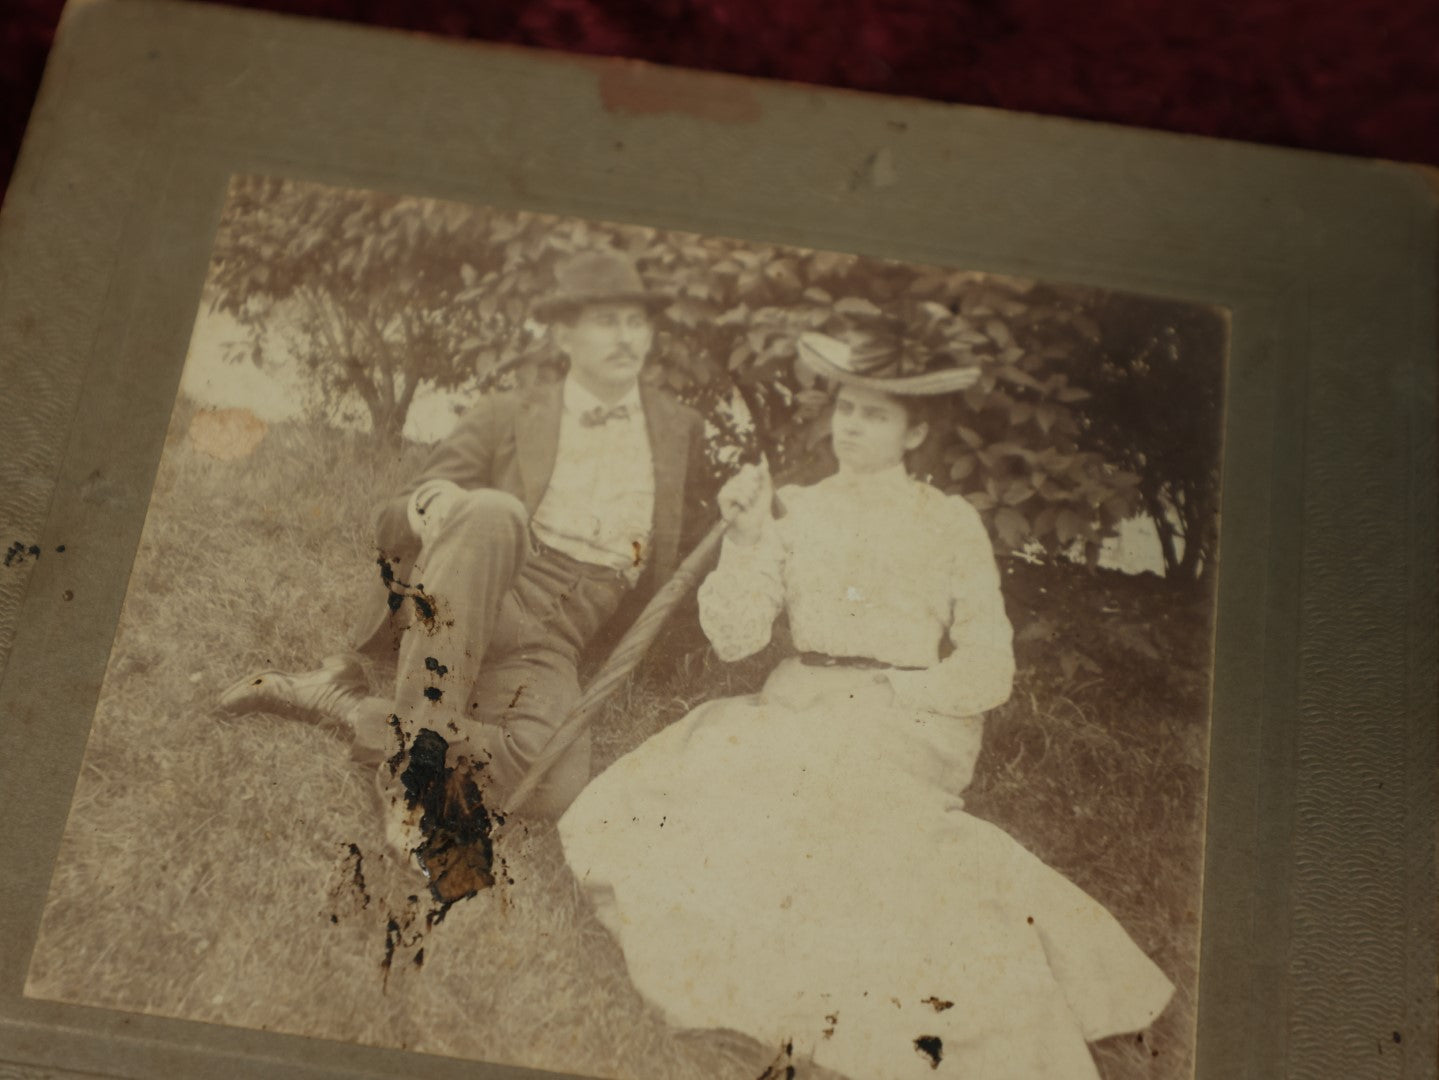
232	870
385	294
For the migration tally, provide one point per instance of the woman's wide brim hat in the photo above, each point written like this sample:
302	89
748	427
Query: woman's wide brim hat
597	277
834	359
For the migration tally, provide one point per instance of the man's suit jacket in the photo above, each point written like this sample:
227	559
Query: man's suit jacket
509	442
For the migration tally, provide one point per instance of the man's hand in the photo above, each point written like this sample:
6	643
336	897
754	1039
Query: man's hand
744	503
429	504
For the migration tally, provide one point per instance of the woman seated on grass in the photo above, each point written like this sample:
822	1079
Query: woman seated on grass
796	864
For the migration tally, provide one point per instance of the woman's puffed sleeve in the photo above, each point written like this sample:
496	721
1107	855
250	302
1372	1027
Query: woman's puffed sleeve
979	674
740	599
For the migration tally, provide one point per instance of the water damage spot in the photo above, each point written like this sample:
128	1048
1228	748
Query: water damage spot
405	924
399	934
349	893
930	1047
402	742
392	939
359	874
458	851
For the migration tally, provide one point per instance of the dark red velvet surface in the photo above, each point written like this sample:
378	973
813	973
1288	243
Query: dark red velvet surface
1350	76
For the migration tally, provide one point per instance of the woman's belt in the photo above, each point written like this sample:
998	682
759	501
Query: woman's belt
819	659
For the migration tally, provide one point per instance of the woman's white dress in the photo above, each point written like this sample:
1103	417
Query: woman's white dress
796	864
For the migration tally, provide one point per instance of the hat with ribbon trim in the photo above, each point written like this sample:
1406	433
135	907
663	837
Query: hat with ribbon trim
881	371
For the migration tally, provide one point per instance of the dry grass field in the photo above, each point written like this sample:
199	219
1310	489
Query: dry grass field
231	870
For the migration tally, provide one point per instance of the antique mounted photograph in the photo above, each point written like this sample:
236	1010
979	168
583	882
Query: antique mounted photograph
634	653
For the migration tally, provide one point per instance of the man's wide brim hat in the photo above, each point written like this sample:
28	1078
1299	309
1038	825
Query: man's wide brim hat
834	359
597	277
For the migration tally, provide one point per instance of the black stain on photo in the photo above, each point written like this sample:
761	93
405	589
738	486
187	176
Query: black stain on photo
400	591
392	940
18	552
458	852
782	1067
932	1047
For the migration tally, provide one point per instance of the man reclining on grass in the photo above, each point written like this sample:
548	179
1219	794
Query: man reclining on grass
523	535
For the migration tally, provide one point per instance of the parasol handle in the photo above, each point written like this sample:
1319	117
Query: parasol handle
620	663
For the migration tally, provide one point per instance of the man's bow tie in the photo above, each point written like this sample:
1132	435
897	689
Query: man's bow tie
599	415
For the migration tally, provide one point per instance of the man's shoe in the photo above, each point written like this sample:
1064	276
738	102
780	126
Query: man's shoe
326	695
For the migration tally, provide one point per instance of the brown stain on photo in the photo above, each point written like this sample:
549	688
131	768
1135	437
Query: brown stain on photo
641	89
226	434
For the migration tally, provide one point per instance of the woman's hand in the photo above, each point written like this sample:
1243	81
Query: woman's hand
744	503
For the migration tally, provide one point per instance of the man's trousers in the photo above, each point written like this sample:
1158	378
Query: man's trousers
489	659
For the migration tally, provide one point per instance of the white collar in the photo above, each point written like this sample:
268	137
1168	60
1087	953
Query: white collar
578	400
893	478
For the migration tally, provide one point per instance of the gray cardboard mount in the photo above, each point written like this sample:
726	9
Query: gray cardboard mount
1318	955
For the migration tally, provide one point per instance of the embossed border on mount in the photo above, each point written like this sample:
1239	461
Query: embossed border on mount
1318	922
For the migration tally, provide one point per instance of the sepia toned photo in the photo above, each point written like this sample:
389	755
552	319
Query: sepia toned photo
638	654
